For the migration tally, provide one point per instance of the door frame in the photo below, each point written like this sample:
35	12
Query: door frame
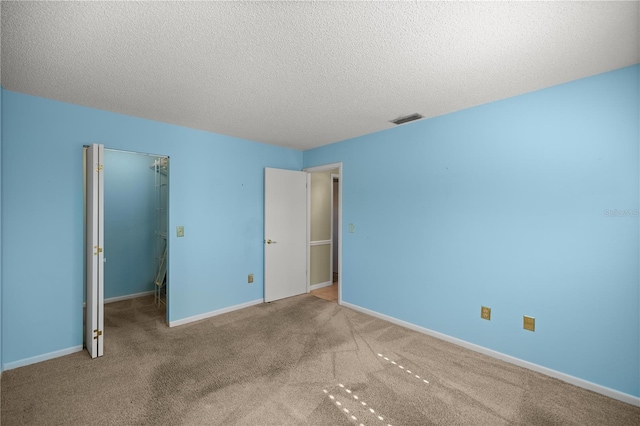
333	243
324	168
148	154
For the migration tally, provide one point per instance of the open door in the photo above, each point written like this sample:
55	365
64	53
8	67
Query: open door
94	255
285	233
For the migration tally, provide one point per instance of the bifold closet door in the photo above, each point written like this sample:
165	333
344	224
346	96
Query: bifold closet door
95	250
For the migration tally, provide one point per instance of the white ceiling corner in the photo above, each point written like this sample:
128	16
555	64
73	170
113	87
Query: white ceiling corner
305	74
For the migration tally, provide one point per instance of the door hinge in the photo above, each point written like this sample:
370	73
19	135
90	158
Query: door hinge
98	333
99	167
98	250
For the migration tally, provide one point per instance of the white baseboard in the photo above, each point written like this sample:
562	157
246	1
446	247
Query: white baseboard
320	285
214	313
128	296
603	390
40	358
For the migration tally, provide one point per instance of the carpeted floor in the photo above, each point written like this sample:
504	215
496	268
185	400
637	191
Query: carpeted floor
299	361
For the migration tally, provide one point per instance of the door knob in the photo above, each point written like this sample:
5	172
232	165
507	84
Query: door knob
270	242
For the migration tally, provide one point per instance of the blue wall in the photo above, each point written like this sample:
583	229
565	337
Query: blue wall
216	192
510	205
129	224
526	205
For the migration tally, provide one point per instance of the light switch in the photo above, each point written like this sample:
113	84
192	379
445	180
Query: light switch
352	228
180	231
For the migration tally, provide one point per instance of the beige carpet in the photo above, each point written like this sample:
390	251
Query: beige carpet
300	361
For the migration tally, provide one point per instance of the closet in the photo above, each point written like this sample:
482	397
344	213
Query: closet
135	226
126	220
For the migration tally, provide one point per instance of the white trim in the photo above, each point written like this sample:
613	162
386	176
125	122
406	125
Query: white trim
40	358
612	393
119	298
320	243
128	296
308	248
323	168
214	313
340	234
320	285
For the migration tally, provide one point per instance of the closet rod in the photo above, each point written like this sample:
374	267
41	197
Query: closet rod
133	152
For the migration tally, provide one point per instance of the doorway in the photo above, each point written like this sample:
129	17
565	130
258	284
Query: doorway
325	229
274	259
335	220
135	230
130	271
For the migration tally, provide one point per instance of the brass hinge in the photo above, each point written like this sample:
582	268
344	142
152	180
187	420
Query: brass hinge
98	333
98	250
99	167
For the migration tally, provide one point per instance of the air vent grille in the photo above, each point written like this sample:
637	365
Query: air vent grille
406	118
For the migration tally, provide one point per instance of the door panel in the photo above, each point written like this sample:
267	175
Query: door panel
285	233
95	251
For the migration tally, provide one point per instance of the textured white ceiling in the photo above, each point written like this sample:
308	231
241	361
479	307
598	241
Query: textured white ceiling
301	74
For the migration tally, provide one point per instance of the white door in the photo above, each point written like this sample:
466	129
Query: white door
94	251
285	233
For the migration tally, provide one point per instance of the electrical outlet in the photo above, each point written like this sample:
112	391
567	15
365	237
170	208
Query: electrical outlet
250	278
352	228
529	323
485	313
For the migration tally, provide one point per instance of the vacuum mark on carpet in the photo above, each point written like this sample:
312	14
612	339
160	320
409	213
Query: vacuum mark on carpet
402	368
350	392
339	404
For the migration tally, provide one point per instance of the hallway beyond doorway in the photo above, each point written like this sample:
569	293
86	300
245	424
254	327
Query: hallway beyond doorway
329	293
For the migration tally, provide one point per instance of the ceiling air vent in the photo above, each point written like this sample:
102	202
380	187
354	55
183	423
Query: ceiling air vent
406	118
